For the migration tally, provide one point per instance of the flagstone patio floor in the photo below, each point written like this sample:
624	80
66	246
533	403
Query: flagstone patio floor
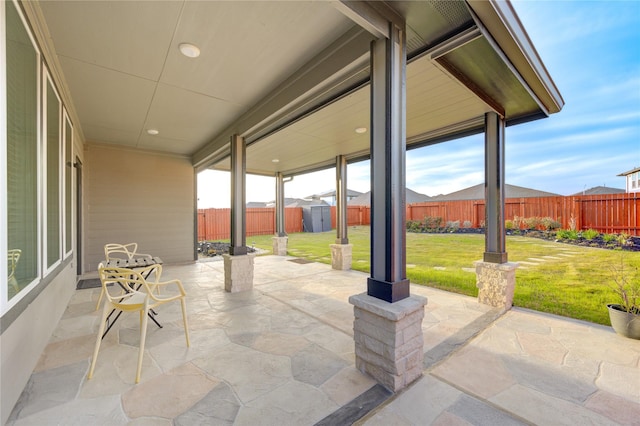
283	354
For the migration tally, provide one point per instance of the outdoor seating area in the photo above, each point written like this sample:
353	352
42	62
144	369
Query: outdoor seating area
283	353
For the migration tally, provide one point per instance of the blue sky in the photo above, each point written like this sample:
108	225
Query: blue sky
592	51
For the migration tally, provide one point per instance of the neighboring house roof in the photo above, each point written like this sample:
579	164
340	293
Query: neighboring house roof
599	190
637	169
256	204
305	203
295	202
477	193
410	198
350	194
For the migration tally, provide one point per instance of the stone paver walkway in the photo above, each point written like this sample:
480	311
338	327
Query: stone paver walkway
282	354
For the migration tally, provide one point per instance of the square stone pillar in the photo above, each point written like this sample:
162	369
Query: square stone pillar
280	245
388	339
496	283
341	256
238	272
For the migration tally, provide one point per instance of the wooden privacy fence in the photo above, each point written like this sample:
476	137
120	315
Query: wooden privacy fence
610	213
215	224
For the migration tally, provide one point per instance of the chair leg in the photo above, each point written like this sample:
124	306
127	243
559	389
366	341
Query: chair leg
143	337
100	298
184	320
105	314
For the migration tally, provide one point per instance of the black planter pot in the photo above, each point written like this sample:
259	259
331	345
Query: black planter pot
624	323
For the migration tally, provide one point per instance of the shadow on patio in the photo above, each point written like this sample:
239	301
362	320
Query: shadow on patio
283	354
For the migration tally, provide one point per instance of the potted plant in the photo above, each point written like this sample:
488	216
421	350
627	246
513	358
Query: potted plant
625	316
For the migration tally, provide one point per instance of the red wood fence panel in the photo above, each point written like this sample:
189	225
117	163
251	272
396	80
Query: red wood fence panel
292	220
610	213
215	224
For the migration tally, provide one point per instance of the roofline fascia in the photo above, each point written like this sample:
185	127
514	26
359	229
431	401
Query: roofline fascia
502	22
637	169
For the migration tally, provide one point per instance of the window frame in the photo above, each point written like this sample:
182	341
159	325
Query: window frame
5	303
44	188
68	193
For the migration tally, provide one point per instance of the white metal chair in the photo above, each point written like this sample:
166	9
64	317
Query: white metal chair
133	293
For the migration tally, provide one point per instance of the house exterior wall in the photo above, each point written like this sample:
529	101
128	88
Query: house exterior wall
34	303
633	182
142	197
27	336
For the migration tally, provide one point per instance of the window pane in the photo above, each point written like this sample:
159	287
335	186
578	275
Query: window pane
22	142
67	182
53	176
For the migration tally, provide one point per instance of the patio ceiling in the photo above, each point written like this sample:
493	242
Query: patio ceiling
291	77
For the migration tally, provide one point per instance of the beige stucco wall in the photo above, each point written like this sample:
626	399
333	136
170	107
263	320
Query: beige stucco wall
138	196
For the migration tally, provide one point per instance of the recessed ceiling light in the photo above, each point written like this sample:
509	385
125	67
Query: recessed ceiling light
275	160
152	132
361	130
189	50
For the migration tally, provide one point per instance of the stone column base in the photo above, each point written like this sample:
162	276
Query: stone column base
341	256
238	272
280	245
496	283
388	339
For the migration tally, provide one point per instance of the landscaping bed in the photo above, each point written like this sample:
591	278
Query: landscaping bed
542	228
216	248
585	239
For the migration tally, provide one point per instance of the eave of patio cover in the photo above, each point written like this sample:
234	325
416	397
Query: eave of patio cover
450	86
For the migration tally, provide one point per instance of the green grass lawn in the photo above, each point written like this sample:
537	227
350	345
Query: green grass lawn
553	277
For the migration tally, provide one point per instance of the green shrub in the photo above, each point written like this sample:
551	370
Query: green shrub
431	222
623	239
414	226
567	234
467	224
531	222
453	225
550	224
609	238
508	224
590	234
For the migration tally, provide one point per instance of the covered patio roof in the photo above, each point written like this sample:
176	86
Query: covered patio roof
290	77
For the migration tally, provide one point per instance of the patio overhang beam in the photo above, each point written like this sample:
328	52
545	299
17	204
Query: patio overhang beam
335	70
372	16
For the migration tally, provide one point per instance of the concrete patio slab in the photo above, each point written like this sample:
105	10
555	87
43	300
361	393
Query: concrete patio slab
283	354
